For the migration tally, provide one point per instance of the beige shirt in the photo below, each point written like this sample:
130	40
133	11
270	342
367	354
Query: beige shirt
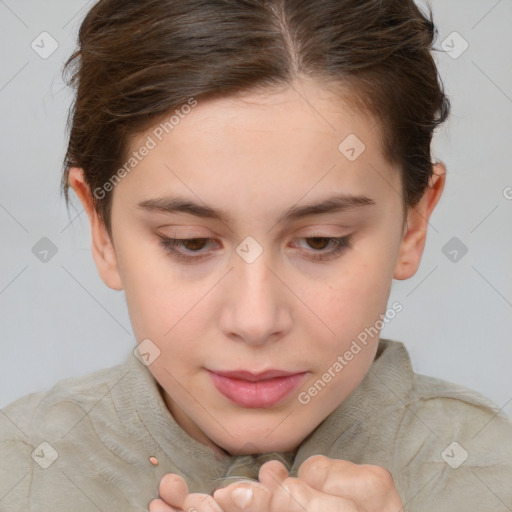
85	444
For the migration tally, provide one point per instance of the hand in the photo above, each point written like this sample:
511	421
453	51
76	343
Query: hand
323	485
174	497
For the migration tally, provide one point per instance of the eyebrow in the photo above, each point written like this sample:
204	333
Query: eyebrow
333	204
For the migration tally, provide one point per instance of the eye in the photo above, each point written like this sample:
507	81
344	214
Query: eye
195	254
194	245
319	243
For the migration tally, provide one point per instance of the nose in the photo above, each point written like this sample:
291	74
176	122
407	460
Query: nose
256	303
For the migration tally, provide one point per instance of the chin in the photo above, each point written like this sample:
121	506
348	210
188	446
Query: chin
259	444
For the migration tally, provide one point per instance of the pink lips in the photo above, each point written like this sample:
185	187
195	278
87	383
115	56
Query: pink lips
256	390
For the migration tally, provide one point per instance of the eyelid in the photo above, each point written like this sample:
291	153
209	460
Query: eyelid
169	244
341	245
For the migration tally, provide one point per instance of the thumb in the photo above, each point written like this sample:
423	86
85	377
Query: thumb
173	489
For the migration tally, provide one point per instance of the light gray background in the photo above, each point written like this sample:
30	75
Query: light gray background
58	319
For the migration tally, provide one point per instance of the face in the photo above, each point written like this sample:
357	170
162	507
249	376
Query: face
238	250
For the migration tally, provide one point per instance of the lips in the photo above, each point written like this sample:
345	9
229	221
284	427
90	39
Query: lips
256	390
253	377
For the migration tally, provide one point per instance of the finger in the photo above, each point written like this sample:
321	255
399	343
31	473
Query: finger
365	484
272	474
243	497
327	475
173	490
295	495
198	502
158	505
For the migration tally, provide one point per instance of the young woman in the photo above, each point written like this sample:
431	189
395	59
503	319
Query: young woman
256	173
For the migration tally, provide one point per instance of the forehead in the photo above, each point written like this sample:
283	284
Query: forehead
304	106
281	144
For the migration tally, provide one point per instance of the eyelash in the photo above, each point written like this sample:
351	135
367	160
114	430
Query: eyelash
341	244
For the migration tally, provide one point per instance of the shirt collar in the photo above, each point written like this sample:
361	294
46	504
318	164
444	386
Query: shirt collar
139	401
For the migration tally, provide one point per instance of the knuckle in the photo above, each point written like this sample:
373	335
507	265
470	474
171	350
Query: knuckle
314	464
318	460
378	478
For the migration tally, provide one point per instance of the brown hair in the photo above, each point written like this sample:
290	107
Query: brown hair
138	60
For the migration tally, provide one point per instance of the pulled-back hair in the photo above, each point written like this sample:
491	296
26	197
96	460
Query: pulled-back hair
139	60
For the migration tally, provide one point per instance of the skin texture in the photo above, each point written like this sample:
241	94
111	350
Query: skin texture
255	157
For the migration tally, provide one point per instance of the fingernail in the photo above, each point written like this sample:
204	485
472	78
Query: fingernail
242	497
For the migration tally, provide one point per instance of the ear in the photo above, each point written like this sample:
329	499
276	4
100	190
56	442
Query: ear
103	250
414	239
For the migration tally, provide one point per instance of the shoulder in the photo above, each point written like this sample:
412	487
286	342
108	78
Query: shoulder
30	425
443	409
453	448
26	415
446	405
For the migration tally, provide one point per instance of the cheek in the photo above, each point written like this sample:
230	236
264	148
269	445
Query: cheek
161	308
356	292
350	303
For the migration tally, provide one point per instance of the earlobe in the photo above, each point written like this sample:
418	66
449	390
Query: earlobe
103	250
413	243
